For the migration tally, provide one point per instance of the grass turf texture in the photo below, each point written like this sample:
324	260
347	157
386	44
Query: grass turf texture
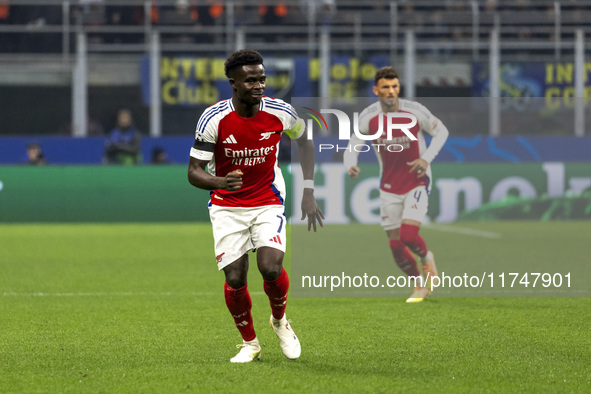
139	308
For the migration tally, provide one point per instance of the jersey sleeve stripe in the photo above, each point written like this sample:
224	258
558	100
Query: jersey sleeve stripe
282	108
206	117
279	104
210	114
287	107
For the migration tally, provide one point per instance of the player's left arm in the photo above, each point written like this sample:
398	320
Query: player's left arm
307	161
439	132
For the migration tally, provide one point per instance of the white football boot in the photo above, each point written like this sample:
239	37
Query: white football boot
289	342
249	351
419	294
430	270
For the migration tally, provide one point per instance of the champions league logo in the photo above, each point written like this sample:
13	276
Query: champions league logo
379	140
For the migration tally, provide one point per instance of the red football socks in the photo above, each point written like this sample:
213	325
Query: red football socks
404	259
239	304
409	235
277	292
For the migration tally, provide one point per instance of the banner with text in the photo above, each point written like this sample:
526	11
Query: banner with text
187	80
554	81
162	193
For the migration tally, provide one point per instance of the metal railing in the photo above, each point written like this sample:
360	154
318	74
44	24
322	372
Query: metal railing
463	28
476	34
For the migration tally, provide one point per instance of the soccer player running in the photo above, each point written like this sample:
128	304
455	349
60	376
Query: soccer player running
238	140
405	174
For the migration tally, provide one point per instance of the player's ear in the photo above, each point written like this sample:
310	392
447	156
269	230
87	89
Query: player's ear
375	90
232	82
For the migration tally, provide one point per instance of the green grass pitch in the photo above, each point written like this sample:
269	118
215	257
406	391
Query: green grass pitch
139	308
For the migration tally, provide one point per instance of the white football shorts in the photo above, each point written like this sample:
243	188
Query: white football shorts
395	207
238	230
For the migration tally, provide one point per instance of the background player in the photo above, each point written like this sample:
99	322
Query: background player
405	179
238	139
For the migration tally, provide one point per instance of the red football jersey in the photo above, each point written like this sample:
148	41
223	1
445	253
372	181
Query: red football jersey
231	142
393	154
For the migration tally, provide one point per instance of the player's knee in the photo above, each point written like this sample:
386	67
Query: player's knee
270	263
236	281
236	278
271	270
271	273
409	234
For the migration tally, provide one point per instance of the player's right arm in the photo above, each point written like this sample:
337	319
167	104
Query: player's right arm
350	156
206	135
200	178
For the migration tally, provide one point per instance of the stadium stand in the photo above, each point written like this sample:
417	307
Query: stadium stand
38	45
29	23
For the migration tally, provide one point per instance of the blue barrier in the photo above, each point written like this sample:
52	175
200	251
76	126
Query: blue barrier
67	150
515	149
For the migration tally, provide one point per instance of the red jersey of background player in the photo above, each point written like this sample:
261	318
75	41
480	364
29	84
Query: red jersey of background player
247	144
394	171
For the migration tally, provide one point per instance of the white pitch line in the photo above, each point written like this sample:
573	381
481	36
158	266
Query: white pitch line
463	230
113	294
85	294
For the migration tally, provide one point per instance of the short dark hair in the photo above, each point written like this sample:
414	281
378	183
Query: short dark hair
243	57
386	73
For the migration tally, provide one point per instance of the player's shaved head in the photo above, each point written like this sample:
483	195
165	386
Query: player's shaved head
243	57
386	73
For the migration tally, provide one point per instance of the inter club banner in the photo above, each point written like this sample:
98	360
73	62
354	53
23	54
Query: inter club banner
554	81
200	81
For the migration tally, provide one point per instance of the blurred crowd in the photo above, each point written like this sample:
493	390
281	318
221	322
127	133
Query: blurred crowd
205	19
194	14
